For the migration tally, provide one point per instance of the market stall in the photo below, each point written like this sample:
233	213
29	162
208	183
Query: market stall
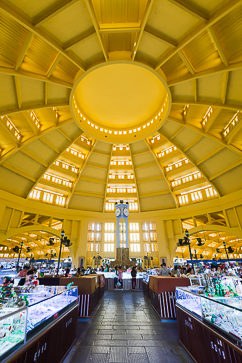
162	294
30	331
210	327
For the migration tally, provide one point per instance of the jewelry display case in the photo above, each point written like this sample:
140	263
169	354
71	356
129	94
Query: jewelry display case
189	299
12	330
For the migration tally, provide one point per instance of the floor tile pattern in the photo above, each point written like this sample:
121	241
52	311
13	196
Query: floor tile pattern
125	329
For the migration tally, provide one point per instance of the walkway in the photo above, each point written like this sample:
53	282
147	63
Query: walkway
126	329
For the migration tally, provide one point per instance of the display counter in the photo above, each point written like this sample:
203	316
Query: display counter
210	328
50	311
162	294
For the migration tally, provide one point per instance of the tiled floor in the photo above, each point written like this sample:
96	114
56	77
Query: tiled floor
125	329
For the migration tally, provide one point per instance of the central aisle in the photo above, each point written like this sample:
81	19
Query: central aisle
125	329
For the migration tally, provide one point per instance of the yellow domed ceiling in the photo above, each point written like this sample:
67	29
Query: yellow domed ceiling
130	99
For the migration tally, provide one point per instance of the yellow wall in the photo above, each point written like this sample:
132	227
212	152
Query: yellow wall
168	222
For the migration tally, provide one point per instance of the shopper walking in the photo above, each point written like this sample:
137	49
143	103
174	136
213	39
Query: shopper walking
133	274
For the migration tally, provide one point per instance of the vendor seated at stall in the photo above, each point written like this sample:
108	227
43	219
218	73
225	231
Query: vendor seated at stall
30	279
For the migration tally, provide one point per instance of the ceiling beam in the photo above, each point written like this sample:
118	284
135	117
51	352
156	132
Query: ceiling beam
30	123
154	194
212	119
211	71
12	111
18	171
206	103
225	170
191	161
85	194
224	87
163	174
186	61
46	93
129	27
18	91
80	38
162	37
64	134
210	154
106	186
9	134
176	132
92	14
153	178
218	47
10	12
142	27
188	9
54	64
92	180
237	128
135	177
220	14
79	175
195	89
32	75
24	51
63	149
51	114
54	12
34	157
201	131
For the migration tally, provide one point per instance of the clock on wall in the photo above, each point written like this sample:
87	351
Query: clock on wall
117	212
126	212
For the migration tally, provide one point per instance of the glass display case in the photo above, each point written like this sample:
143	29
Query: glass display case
47	302
189	299
13	324
225	313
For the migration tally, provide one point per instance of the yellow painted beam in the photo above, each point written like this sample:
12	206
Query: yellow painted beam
24	51
30	123
141	152
209	155
225	170
162	37
146	165
92	14
105	193
201	131
54	64
34	157
80	38
208	104
218	46
54	12
128	27
92	180
176	132
212	119
35	75
85	194
10	12
142	27
216	17
48	143
147	180
64	134
46	92
237	128
9	134
219	69
18	91
135	177
186	61
154	194
188	9
224	87
18	171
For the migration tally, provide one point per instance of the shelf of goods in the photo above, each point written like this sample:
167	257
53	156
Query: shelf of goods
90	290
161	292
29	334
126	281
210	327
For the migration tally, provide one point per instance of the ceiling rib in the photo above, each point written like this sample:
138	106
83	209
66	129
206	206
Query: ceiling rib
163	37
220	69
135	176
225	170
209	155
207	104
92	14
8	11
54	64
18	171
80	39
201	131
218	47
162	172
51	14
24	51
194	142
221	13
32	107
106	185
79	175
194	12
186	61
142	27
192	162
38	77
31	139
224	87
63	149
18	91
